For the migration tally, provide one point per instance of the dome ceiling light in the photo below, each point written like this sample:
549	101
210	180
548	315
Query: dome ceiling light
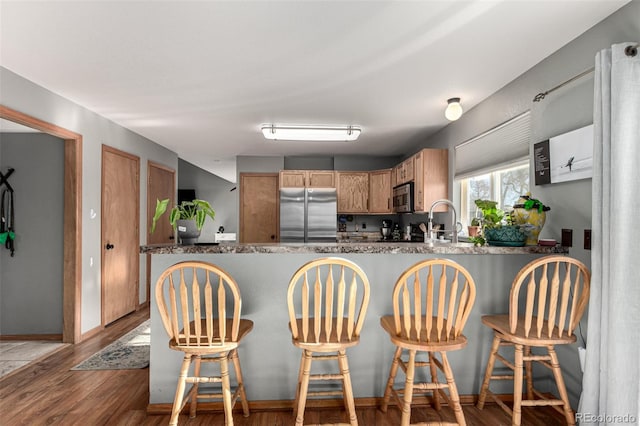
454	109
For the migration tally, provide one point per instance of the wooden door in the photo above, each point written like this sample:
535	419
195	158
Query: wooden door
120	233
407	169
292	179
353	192
259	208
380	191
321	179
161	184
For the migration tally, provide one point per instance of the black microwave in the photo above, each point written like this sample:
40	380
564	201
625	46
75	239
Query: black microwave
403	198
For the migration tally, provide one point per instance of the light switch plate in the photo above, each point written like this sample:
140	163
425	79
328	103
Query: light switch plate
567	237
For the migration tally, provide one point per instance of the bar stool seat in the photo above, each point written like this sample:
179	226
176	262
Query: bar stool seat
428	318
192	297
553	291
327	301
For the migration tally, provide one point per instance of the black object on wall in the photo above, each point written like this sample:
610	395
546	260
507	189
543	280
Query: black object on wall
186	195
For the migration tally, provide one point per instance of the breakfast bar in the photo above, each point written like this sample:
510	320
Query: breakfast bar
262	271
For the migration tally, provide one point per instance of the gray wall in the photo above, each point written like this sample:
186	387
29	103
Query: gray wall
341	162
216	191
566	109
25	96
31	280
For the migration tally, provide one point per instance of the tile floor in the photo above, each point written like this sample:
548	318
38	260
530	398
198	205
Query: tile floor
17	354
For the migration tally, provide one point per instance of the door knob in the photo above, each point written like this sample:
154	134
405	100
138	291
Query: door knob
172	237
273	237
109	246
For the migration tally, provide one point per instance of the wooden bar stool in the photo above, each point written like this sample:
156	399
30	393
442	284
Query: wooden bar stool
431	304
327	300
193	298
556	292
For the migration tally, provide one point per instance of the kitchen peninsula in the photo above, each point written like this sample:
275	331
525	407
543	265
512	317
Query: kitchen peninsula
270	361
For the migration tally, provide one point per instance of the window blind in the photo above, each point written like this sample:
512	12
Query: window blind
495	148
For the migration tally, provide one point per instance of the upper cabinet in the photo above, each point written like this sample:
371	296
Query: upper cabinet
380	191
431	178
353	192
307	179
404	172
372	192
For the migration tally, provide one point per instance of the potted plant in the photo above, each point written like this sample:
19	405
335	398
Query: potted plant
530	214
474	228
187	217
498	228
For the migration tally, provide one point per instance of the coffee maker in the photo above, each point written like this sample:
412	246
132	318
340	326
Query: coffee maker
385	230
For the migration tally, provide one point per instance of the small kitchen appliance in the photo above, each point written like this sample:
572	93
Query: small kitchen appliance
385	230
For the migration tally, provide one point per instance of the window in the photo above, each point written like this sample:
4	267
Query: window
494	166
503	185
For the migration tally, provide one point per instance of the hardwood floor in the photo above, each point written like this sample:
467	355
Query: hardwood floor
48	393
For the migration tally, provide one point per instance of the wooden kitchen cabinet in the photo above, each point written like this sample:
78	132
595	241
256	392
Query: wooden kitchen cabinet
431	178
353	192
404	172
380	191
307	179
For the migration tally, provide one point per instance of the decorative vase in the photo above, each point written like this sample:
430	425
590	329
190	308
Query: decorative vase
531	220
188	232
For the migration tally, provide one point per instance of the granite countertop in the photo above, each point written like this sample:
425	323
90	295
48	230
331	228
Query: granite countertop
351	247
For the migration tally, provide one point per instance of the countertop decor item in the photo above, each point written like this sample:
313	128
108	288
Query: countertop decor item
530	214
498	228
187	217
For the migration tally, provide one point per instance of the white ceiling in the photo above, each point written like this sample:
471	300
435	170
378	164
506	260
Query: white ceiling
201	77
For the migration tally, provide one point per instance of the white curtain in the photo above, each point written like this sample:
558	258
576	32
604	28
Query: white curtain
611	381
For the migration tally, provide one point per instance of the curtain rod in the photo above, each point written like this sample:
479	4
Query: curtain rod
631	50
540	96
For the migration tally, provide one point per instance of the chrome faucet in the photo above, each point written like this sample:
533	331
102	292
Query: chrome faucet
454	232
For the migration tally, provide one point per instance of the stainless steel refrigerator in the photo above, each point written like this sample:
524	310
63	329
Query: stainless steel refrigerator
308	215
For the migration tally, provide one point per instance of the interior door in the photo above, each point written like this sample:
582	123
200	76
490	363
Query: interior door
161	184
259	208
120	233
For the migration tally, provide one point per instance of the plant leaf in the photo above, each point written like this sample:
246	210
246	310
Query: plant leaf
161	207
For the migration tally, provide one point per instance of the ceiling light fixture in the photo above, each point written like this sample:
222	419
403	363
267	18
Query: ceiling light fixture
454	109
310	133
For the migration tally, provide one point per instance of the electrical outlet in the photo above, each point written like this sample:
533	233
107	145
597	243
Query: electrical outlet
587	239
567	237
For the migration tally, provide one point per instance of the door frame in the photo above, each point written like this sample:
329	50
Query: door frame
112	150
72	225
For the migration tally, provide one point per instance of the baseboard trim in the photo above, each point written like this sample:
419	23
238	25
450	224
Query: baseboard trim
47	337
89	334
315	404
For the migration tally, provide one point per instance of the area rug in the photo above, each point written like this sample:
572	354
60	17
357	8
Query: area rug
131	351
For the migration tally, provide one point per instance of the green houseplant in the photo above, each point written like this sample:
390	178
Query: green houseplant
187	217
498	227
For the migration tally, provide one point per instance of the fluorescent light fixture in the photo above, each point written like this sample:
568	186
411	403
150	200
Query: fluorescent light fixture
454	109
310	133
